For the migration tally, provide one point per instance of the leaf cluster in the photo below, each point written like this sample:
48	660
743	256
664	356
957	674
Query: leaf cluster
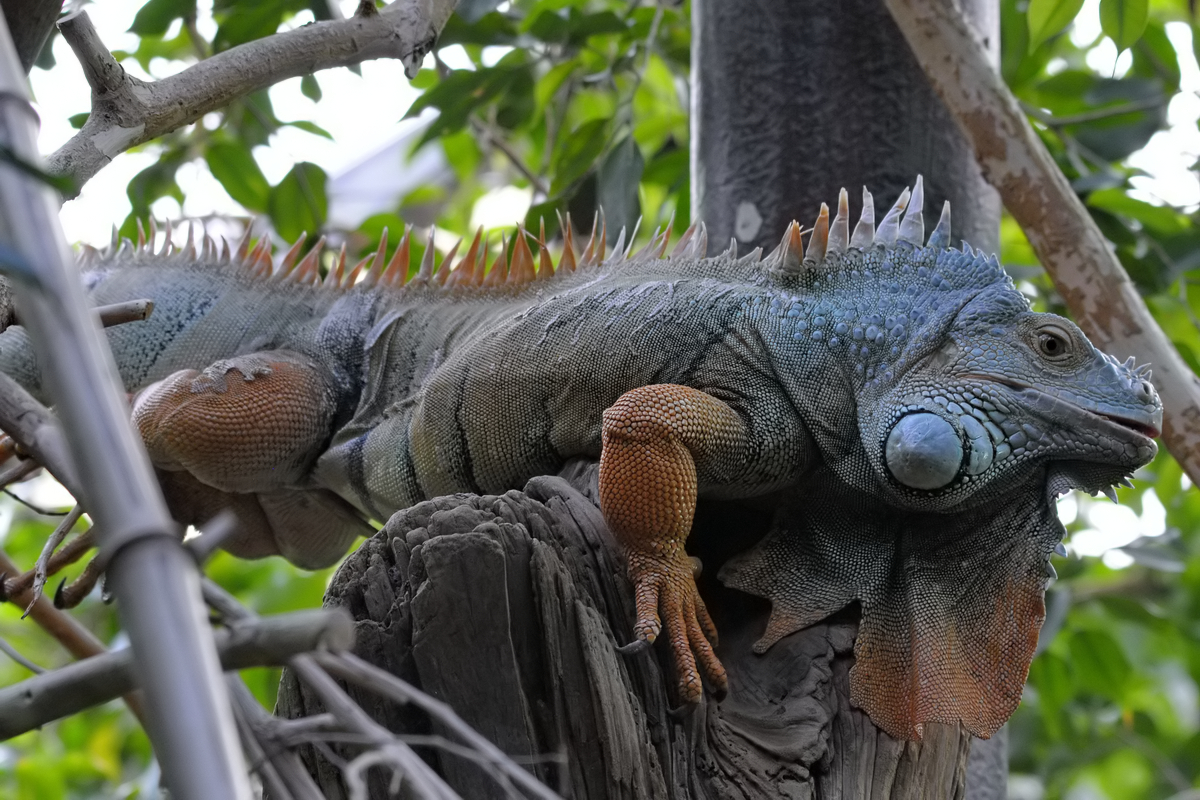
1111	705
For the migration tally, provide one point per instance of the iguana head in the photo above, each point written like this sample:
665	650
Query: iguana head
1009	388
962	389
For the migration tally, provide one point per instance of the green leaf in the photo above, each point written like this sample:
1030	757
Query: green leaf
493	28
1124	20
580	149
178	48
298	204
515	105
155	181
583	26
1051	676
1099	663
1048	17
464	90
252	118
310	88
45	59
238	172
549	84
1162	219
550	27
310	127
617	186
668	168
1155	56
156	16
462	153
248	21
77	120
473	10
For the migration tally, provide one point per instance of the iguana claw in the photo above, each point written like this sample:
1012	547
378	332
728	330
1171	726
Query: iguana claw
634	647
663	585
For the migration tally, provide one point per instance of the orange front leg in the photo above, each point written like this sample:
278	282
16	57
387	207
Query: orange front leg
655	441
250	423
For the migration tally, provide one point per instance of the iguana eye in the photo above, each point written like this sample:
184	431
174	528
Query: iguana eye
1053	343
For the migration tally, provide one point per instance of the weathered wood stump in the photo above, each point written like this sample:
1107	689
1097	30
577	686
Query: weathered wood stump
510	608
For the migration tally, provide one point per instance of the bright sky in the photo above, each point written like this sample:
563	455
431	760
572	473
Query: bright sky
363	115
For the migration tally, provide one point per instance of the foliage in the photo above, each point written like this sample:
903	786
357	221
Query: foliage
1111	705
580	103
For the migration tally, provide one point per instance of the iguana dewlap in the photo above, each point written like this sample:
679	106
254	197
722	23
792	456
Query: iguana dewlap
877	378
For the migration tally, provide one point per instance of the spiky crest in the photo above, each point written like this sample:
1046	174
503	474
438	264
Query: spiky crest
819	241
912	229
889	229
515	266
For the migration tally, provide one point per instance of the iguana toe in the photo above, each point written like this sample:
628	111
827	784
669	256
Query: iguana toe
668	602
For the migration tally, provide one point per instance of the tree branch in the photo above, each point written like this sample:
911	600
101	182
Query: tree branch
73	688
76	639
127	112
1075	253
34	428
423	783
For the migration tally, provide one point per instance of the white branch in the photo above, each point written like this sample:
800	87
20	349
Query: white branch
127	112
1085	270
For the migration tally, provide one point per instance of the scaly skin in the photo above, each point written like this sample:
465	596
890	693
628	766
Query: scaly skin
909	381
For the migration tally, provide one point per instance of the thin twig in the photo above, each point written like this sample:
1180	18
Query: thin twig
76	639
45	512
67	555
31	425
19	472
272	783
350	667
497	141
258	642
423	782
120	313
17	656
1094	115
52	542
280	769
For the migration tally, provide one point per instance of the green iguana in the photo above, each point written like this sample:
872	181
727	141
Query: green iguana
893	387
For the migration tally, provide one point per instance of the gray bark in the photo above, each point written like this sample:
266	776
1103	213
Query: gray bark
801	97
30	23
510	608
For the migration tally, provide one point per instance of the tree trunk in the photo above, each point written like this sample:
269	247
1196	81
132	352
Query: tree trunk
30	23
801	97
510	609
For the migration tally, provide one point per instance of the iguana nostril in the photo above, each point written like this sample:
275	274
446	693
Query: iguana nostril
924	451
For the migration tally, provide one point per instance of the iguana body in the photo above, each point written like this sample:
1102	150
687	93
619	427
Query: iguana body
897	373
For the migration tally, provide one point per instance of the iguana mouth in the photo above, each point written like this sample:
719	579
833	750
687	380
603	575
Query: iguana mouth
1055	408
1147	430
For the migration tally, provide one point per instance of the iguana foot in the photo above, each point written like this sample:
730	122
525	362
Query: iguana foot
666	597
653	439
